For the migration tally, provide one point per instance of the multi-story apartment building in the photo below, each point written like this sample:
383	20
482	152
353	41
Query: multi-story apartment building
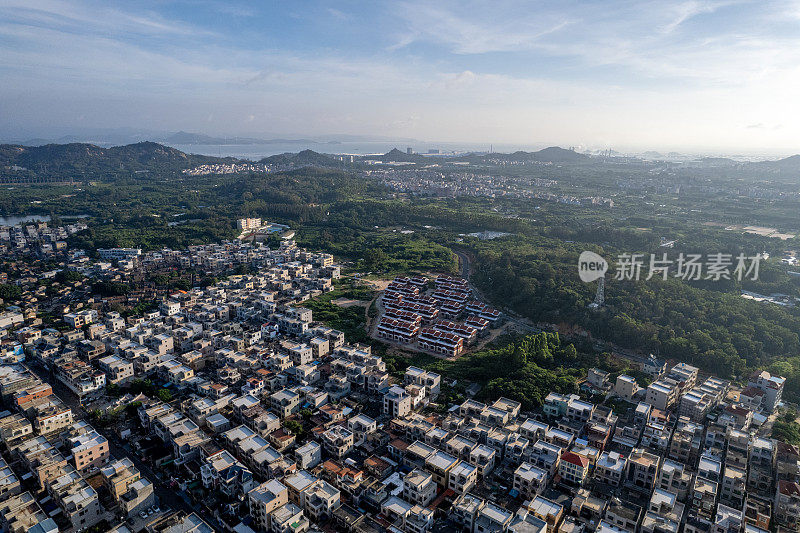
397	402
89	451
338	441
264	499
772	386
787	504
530	480
642	470
419	487
610	468
117	369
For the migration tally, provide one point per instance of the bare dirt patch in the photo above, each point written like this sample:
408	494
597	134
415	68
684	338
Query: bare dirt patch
377	284
347	302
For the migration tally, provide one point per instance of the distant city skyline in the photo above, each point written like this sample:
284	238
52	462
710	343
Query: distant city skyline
702	76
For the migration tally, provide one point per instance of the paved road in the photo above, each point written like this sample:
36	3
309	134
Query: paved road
515	321
464	264
524	325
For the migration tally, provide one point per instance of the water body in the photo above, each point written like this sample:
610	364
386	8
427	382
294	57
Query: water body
13	221
258	151
30	219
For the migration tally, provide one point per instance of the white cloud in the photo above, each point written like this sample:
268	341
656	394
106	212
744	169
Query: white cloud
629	77
91	17
473	29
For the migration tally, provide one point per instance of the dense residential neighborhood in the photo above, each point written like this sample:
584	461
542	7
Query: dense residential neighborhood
229	408
400	267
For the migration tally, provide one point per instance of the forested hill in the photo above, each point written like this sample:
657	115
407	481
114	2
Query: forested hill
87	161
302	158
553	154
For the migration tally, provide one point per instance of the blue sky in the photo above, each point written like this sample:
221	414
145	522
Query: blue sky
699	74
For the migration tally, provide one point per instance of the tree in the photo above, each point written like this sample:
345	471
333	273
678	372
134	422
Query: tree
788	432
164	395
293	426
132	408
375	259
68	276
10	292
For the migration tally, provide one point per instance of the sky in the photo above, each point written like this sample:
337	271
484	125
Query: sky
714	75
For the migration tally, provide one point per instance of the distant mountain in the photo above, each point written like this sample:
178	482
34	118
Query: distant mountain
397	155
183	137
76	160
303	158
718	160
713	162
552	154
556	154
340	138
787	164
36	142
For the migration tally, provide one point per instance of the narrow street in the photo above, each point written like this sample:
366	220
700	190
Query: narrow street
168	497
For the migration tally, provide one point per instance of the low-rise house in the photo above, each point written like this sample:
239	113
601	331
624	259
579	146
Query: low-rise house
624	515
21	514
588	506
704	497
483	458
662	394
492	517
89	451
397	402
76	499
49	415
675	477
642	470
610	468
547	510
787	504
419	487
462	477
546	456
465	511
338	441
264	499
430	380
139	497
361	425
530	480
117	370
321	499
288	518
14	428
733	486
285	402
308	455
117	475
626	387
664	513
224	472
573	468
440	464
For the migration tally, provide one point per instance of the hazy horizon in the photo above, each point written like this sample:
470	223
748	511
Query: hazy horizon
699	76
